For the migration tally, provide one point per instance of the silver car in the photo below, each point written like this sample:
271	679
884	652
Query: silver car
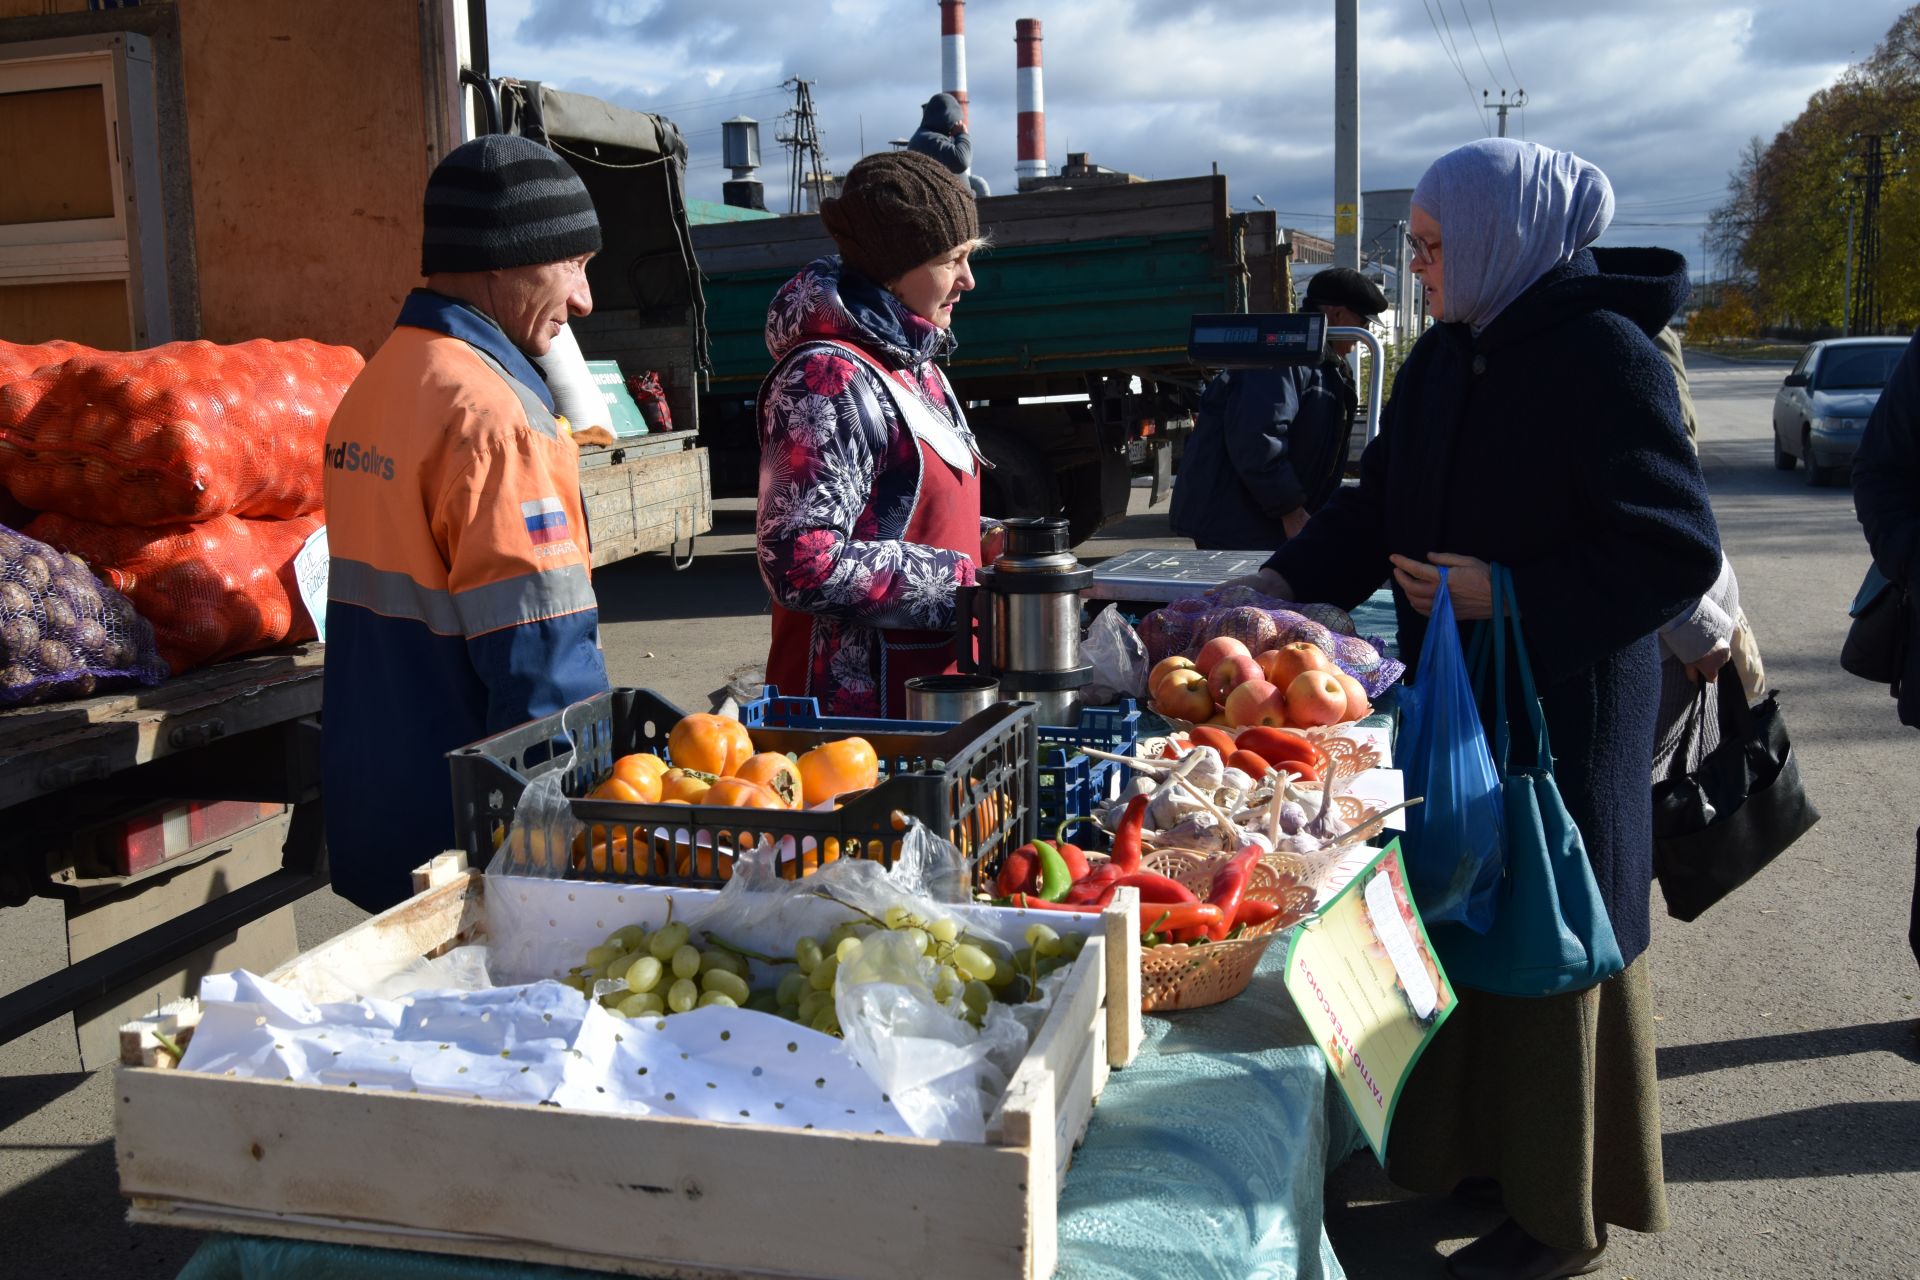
1822	407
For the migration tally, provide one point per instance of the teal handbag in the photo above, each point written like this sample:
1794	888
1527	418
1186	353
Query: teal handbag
1550	933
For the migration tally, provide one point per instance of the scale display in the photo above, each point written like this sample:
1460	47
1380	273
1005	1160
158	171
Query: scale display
1262	341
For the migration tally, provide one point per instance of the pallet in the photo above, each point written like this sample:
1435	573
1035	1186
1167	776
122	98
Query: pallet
636	1195
47	748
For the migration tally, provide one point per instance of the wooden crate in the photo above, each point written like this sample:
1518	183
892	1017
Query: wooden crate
638	1195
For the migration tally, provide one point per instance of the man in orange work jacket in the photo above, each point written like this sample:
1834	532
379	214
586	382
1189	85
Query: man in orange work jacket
459	602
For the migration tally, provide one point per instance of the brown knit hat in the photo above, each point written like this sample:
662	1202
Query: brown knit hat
897	209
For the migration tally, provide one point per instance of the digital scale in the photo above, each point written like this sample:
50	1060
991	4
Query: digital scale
1160	577
1258	341
1272	340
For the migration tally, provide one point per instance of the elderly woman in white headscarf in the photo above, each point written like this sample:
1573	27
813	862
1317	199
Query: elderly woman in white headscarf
1537	427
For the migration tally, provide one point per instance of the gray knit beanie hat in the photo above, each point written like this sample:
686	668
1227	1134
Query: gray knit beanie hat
505	201
896	210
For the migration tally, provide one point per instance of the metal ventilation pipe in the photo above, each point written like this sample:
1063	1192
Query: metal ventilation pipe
1031	129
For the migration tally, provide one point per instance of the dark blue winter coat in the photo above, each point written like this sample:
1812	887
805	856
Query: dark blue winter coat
1886	496
1551	444
1267	441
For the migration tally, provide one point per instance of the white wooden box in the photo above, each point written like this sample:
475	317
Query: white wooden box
641	1195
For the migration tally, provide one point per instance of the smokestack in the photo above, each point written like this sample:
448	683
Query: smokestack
1032	126
953	53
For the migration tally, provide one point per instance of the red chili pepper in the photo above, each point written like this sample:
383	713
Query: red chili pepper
1018	872
1094	883
1076	859
1029	902
1153	887
1254	911
1167	920
1126	841
1229	886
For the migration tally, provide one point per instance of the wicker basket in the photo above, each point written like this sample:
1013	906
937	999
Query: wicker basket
1178	976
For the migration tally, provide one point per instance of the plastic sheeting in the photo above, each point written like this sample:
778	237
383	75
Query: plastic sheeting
1208	1156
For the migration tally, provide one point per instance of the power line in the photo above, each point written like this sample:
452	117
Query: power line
1454	58
1714	193
745	95
1503	55
1476	42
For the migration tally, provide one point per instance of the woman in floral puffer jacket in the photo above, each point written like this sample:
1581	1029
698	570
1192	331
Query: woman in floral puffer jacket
869	514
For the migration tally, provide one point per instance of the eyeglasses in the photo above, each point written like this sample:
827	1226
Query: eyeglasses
1422	251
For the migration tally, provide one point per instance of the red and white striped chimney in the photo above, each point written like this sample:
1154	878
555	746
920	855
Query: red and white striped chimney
1032	126
953	53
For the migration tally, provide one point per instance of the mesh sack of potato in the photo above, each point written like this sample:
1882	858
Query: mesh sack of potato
63	632
213	589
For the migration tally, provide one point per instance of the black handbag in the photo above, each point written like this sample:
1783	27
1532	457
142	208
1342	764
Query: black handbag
1876	644
1717	825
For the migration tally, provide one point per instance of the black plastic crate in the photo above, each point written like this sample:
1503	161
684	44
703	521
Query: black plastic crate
1072	785
975	784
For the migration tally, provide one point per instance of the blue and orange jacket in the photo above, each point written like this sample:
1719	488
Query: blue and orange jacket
459	600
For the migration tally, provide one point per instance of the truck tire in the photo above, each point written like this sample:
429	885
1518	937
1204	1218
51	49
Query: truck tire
1020	483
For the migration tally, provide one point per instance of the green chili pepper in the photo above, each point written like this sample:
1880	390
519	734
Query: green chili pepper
1055	877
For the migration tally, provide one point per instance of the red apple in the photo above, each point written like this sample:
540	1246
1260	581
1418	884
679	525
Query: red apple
1218	648
1183	696
1315	698
1165	667
1357	704
1254	702
1228	674
1289	662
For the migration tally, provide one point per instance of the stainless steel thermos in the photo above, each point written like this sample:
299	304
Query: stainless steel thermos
1025	616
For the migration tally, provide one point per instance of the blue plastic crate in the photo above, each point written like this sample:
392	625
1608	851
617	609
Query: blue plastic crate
1071	785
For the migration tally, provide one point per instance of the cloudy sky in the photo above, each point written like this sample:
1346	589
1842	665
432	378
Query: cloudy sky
1661	94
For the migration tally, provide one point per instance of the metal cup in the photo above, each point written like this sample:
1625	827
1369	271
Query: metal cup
950	698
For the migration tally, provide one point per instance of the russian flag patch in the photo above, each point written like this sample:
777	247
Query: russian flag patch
546	520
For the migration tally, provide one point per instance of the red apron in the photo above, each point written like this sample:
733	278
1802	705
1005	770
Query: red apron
946	515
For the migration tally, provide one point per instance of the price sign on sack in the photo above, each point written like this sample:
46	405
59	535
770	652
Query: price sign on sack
310	572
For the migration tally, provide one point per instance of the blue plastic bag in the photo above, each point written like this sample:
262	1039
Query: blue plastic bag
1453	838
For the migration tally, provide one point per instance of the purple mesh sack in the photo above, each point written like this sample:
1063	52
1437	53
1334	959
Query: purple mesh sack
63	632
1262	622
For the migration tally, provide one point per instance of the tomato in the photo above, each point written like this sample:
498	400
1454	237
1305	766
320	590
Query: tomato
835	767
740	794
712	744
684	786
777	773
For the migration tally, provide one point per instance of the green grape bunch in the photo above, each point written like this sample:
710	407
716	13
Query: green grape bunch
639	972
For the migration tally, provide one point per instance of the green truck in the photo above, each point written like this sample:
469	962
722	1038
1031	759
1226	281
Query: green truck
1073	347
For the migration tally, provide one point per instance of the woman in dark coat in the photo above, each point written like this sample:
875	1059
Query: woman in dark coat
1886	495
1536	426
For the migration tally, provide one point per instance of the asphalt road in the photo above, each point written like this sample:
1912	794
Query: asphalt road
1791	1098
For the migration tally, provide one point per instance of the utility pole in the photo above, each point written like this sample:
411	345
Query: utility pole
1506	104
1402	285
1846	303
1863	295
807	169
1346	133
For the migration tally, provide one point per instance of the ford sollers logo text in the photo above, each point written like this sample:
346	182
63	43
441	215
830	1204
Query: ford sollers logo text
357	457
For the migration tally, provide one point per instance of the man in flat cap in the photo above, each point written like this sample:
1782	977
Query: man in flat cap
1270	445
459	602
